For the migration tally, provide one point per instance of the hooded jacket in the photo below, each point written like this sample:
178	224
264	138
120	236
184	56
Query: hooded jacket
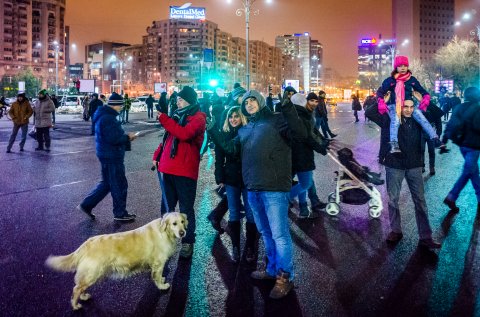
265	145
187	158
43	112
111	140
468	115
303	158
20	112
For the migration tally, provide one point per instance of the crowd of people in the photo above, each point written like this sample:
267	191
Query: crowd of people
261	147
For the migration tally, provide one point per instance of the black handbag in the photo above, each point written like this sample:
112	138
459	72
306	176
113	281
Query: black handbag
33	133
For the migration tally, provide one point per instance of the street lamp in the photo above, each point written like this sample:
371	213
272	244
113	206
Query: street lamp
56	46
114	59
247	4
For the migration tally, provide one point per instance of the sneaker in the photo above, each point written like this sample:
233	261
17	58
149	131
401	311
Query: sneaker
451	204
261	275
86	211
282	287
305	211
394	148
186	251
429	244
126	217
394	237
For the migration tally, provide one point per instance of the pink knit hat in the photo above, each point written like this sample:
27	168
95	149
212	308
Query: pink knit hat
400	60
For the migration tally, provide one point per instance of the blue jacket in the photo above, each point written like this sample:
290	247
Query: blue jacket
410	85
110	137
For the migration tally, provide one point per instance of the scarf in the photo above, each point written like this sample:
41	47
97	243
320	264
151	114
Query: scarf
400	91
180	116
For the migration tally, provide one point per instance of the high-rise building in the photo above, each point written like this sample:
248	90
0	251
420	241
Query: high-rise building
316	53
101	64
421	27
133	68
374	61
30	34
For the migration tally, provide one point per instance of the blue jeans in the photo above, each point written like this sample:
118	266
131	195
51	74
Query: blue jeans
305	180
470	172
17	127
235	204
149	112
164	204
414	180
322	123
270	210
113	182
417	115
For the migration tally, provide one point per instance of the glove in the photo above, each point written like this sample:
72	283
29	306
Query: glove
210	123
382	106
424	103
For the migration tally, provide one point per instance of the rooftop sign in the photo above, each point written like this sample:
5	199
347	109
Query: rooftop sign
187	12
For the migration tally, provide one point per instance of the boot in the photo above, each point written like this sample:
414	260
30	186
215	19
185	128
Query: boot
215	217
40	147
252	236
283	285
234	227
304	211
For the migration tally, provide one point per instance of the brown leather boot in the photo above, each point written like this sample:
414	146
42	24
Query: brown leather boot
283	285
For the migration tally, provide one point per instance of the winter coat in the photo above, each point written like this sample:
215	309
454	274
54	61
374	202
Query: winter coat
228	167
127	104
303	159
321	109
467	114
410	85
187	159
265	146
356	105
149	102
43	112
410	141
111	140
20	112
94	105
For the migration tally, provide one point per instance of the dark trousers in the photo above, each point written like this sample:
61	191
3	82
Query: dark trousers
321	122
415	184
355	114
150	112
17	127
182	190
431	152
93	127
43	136
113	182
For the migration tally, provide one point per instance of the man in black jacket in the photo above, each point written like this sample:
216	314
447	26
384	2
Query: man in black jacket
265	148
401	166
465	120
321	116
92	108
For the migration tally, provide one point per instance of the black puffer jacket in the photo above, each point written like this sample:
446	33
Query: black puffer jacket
265	146
321	109
467	114
303	158
410	141
228	167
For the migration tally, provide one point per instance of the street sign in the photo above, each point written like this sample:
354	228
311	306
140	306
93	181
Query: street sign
159	87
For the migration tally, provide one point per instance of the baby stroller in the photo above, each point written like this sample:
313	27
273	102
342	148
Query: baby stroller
354	185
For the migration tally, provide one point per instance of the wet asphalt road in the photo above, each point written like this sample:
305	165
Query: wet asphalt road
343	265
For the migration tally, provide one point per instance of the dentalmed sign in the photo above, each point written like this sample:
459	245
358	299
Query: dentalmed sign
187	12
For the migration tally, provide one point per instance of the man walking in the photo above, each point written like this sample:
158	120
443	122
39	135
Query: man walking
466	118
178	158
111	144
94	105
20	112
399	166
321	116
43	109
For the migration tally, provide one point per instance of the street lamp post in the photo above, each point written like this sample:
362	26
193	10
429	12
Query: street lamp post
56	67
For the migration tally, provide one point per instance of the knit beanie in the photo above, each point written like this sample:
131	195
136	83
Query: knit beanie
115	100
237	92
299	100
43	92
400	60
312	96
189	95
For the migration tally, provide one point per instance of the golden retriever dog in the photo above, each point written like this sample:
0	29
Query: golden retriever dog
122	254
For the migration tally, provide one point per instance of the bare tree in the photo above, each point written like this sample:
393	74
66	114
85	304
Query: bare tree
459	60
424	73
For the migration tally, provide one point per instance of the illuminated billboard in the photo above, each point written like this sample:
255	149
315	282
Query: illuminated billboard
187	12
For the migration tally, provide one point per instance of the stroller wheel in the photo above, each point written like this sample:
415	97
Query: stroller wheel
332	209
374	211
331	198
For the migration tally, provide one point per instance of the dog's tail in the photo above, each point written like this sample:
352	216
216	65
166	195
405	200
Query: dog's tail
64	263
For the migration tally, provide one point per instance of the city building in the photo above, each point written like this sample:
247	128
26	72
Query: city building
421	27
316	53
132	61
100	65
374	61
32	35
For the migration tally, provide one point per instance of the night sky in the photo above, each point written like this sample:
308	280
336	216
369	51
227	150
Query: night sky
337	24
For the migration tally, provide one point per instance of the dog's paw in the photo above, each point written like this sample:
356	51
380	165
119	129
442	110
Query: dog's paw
164	286
76	306
85	296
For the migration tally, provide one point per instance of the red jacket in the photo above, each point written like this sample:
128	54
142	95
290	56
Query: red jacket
190	139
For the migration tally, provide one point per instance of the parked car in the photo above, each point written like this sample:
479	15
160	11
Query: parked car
71	101
331	102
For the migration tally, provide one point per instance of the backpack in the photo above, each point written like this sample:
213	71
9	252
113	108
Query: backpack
458	130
